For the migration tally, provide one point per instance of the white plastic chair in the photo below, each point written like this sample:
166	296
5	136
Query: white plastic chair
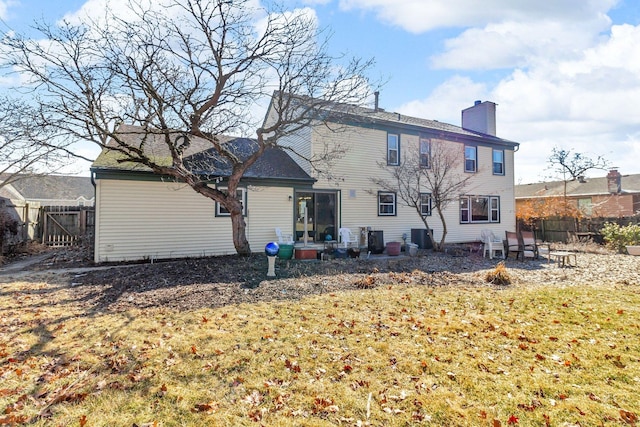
284	238
491	244
346	236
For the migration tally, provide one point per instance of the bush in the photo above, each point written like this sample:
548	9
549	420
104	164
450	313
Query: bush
617	237
499	275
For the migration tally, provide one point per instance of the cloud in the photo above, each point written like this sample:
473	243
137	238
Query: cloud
5	5
447	101
517	44
419	16
586	102
567	77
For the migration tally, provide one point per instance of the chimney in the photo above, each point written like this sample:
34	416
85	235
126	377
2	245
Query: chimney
480	118
614	181
376	94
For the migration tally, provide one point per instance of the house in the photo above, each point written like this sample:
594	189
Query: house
48	190
141	215
614	195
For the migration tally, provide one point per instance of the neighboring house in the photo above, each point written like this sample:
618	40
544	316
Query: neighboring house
141	215
49	190
615	195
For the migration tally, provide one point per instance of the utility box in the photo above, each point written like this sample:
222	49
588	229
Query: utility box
420	237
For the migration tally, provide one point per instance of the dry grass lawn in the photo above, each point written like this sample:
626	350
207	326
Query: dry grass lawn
395	355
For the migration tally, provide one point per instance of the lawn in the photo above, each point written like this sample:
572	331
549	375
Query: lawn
394	355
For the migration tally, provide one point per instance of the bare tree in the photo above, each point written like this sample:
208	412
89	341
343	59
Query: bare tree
572	166
427	182
26	148
181	69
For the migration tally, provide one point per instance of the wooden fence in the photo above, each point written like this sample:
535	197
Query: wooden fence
50	225
563	229
67	225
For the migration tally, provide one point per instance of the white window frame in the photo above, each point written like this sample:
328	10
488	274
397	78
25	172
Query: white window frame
500	162
392	203
426	203
468	158
393	147
222	211
469	204
425	153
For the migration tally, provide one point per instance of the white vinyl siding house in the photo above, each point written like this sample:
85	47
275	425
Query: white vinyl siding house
367	147
181	223
141	216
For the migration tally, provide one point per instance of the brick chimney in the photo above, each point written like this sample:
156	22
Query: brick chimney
614	181
480	118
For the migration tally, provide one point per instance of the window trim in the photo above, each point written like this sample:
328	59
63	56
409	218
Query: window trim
396	149
430	204
468	159
494	163
224	213
466	207
425	155
394	204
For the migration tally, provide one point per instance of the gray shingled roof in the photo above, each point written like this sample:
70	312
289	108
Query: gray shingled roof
591	186
53	187
365	116
201	157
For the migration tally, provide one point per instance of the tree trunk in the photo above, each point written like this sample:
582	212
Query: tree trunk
239	228
444	231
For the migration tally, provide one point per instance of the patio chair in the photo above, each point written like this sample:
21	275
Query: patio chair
284	238
513	244
491	244
347	237
529	245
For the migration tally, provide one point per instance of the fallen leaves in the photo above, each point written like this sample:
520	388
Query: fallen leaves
207	408
629	417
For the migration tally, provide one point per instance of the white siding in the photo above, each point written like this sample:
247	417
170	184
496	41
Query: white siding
367	148
138	220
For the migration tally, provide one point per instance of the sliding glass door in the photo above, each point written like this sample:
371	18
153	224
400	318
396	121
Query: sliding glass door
321	215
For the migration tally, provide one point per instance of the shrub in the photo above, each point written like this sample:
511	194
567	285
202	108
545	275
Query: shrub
499	275
617	237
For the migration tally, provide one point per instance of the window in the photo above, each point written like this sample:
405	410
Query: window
241	194
498	162
386	204
479	209
585	206
425	204
393	149
425	153
470	159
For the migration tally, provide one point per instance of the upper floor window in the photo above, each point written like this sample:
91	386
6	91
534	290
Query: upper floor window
470	159
425	204
479	209
241	193
425	153
498	162
386	204
393	149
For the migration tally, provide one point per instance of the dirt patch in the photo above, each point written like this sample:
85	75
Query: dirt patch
218	281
